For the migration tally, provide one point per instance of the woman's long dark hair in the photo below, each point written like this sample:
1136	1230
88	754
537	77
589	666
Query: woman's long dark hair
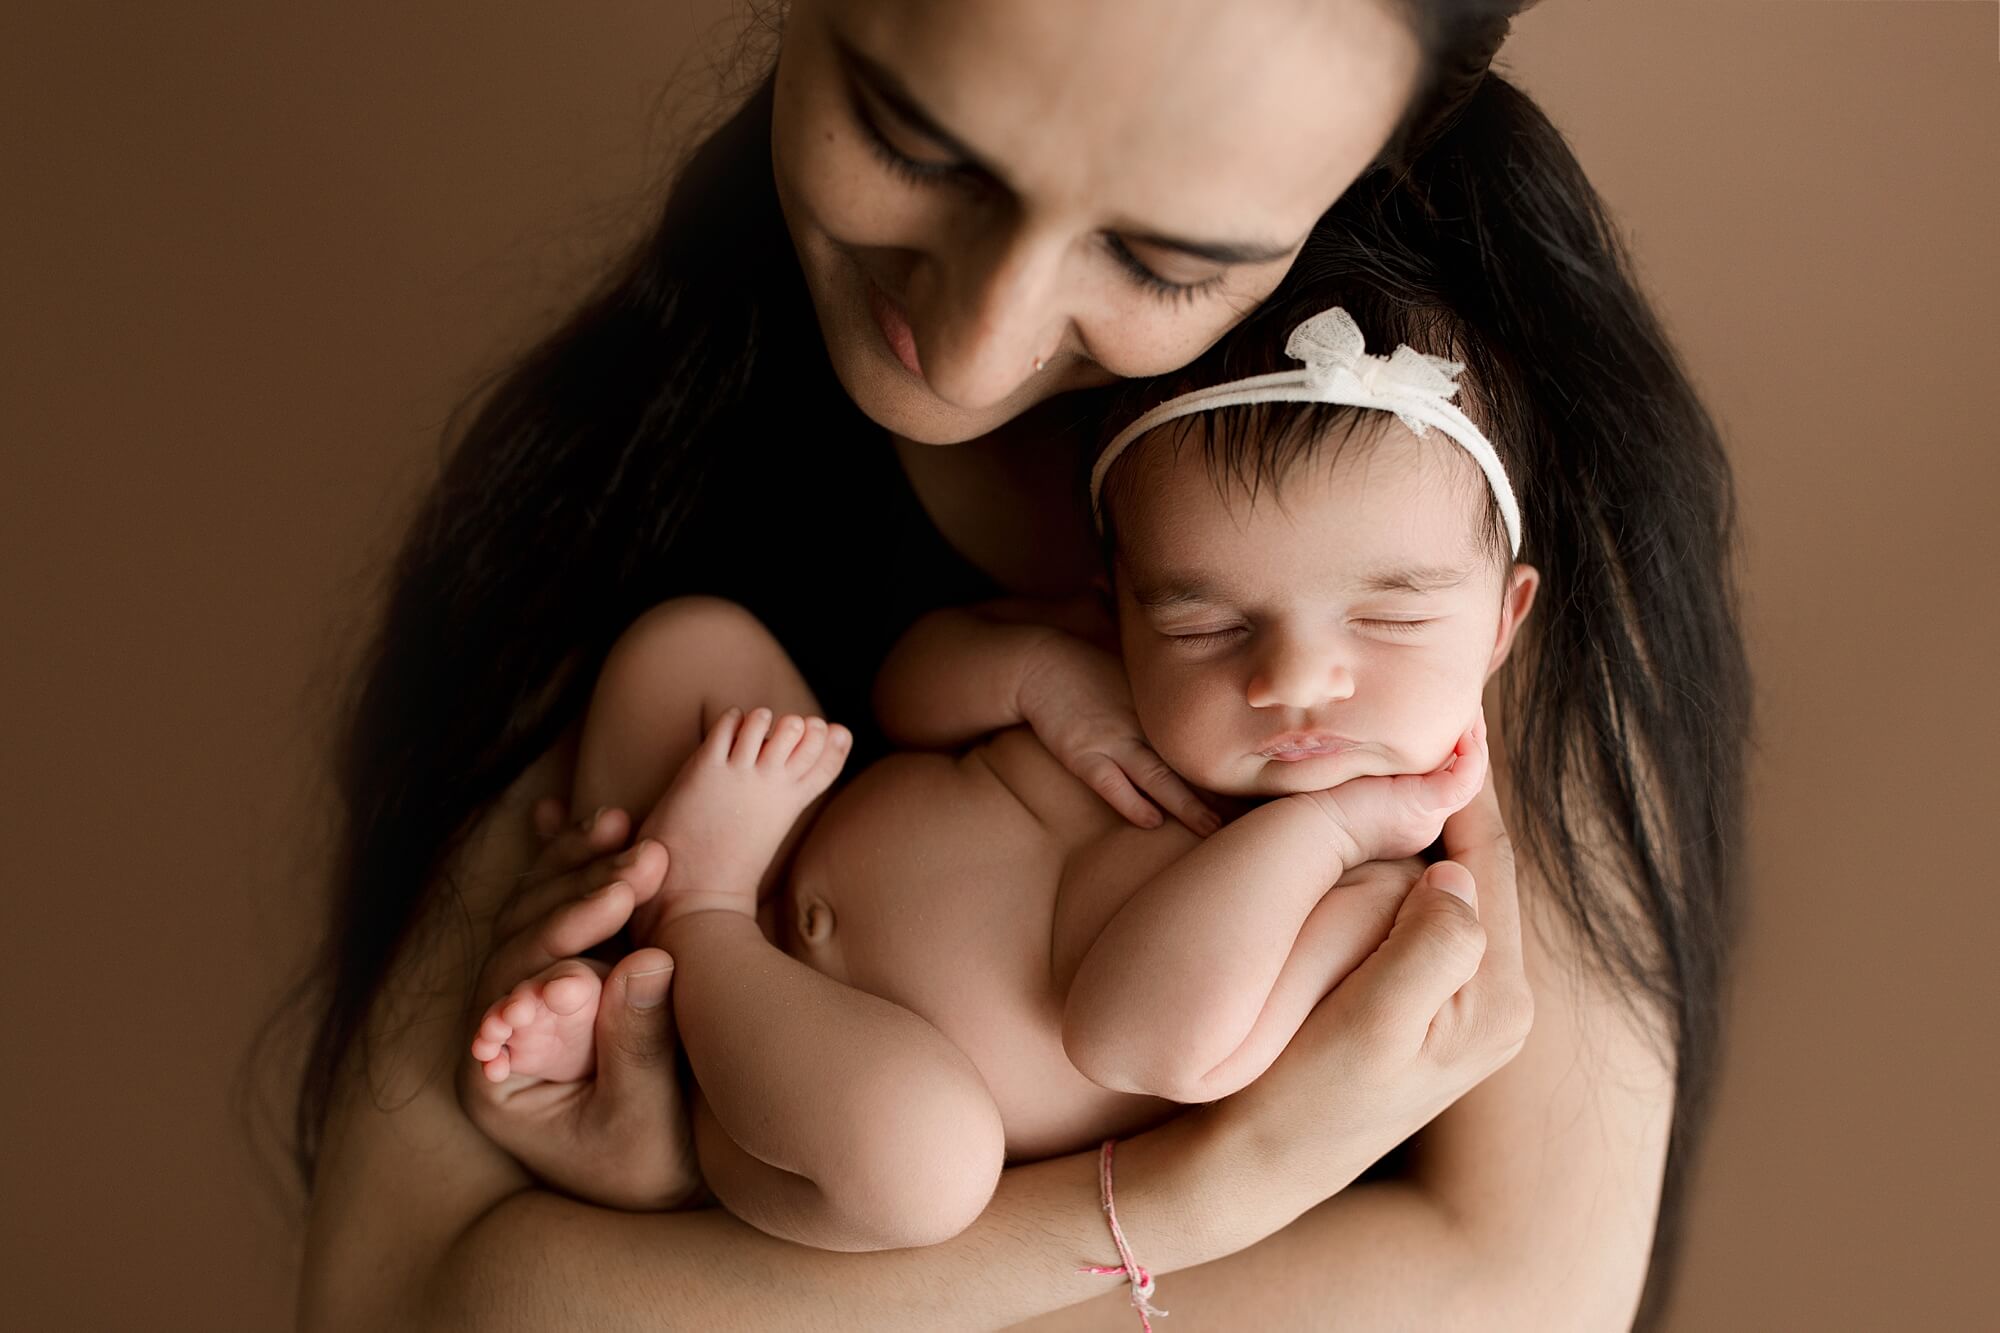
1628	713
565	498
1626	699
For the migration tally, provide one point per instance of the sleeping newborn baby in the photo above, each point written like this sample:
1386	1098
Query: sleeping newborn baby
970	957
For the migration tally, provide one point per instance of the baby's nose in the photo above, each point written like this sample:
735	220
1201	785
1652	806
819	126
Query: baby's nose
1300	679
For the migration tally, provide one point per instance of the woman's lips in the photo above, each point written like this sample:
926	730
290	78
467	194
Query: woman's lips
895	328
1298	745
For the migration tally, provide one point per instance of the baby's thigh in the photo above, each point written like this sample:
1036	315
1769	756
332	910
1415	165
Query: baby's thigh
671	674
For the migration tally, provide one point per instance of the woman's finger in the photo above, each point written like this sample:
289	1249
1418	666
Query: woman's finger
1494	1012
571	864
1476	838
566	932
1434	948
548	817
582	840
638	1094
635	1034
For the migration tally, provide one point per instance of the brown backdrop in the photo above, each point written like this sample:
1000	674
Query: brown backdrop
254	255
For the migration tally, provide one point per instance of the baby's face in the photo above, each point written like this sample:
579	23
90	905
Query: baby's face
1341	626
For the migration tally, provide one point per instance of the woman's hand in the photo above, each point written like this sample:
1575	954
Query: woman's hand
1440	1005
1076	698
620	1136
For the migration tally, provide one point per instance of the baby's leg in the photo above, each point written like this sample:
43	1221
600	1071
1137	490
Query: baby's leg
832	1117
667	681
826	1115
673	672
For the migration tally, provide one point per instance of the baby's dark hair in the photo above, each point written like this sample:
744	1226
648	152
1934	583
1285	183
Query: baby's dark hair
1251	448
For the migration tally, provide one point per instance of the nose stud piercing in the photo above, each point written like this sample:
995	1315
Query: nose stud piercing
1039	363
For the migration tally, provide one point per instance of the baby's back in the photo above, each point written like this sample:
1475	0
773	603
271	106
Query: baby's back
937	881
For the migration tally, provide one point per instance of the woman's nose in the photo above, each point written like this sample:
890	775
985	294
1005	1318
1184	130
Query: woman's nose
999	311
1300	675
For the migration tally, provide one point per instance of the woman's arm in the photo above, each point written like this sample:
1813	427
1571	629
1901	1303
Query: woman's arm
420	1221
1530	1204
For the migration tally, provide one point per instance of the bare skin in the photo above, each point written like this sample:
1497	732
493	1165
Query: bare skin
1053	974
431	1211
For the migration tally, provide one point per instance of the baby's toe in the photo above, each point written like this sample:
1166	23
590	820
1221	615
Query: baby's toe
570	988
812	744
785	735
839	740
521	1008
722	736
750	737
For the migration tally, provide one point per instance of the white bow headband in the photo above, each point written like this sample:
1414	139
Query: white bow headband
1416	387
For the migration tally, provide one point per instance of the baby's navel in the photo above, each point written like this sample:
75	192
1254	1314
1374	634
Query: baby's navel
814	920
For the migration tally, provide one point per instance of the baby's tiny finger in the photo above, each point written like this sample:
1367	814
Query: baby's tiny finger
1108	780
1165	786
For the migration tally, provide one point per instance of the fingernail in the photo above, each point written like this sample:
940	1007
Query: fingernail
1458	886
603	890
648	990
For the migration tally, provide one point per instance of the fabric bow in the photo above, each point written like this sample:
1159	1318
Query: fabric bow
1337	362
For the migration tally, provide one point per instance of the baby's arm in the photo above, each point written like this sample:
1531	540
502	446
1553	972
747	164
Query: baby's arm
1197	982
961	674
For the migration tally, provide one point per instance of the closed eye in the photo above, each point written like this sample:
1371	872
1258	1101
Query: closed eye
1396	626
1143	274
1202	638
918	171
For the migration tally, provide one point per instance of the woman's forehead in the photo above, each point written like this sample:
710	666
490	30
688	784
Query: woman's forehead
1187	117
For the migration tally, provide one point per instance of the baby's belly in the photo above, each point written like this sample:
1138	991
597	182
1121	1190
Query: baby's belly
927	882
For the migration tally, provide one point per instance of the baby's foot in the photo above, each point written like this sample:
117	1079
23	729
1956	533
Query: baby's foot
545	1027
733	803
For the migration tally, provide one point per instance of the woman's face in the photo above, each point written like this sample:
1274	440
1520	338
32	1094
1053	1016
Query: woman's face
1100	186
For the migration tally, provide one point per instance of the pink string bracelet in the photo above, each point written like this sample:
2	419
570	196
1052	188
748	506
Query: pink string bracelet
1127	1266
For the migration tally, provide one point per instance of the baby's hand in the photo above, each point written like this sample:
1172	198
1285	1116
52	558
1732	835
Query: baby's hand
1394	816
1076	699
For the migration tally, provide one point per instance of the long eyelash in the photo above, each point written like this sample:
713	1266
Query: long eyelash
1395	626
917	173
1153	282
1210	636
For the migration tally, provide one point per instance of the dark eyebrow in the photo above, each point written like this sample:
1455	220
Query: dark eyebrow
883	82
1435	578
